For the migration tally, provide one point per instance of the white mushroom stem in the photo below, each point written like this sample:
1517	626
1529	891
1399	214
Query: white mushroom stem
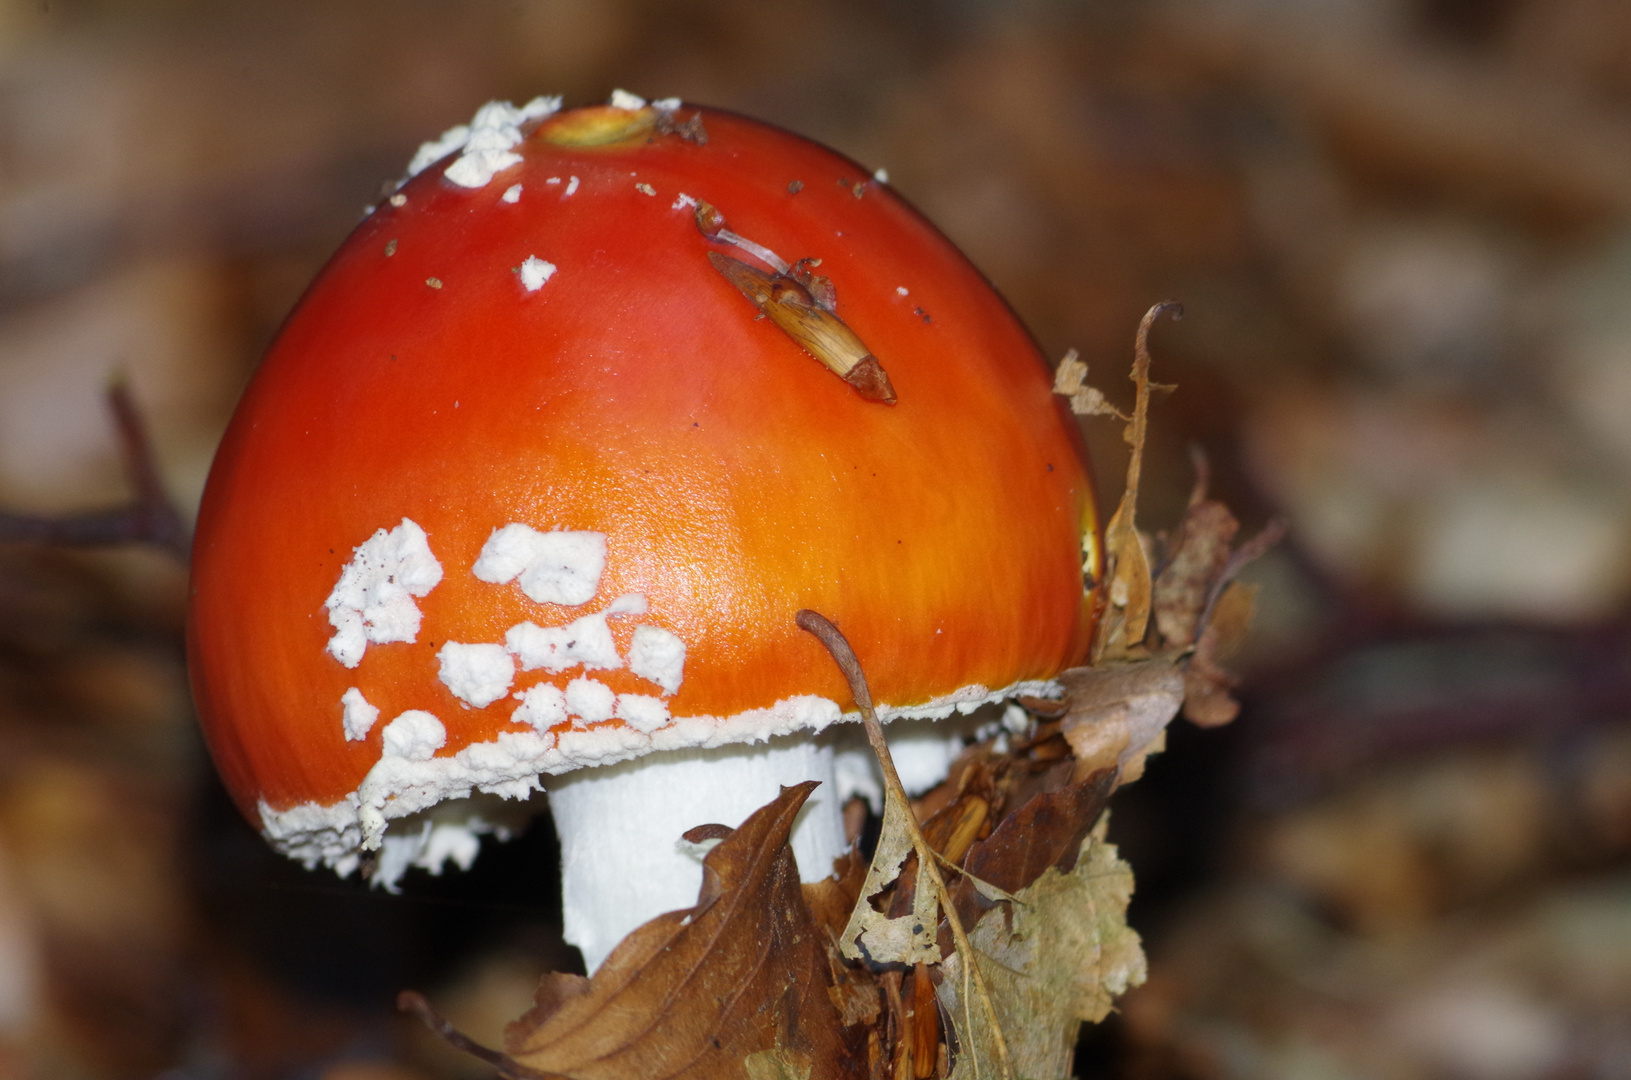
622	859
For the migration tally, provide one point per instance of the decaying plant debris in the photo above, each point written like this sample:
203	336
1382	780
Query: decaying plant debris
982	962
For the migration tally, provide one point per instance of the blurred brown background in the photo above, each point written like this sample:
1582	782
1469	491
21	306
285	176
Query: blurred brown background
1400	229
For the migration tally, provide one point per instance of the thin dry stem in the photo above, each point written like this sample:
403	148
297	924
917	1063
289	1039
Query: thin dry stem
149	518
1246	553
1141	380
830	636
410	1001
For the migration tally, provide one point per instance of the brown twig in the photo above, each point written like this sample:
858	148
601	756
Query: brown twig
1141	380
410	1001
839	647
150	518
1239	559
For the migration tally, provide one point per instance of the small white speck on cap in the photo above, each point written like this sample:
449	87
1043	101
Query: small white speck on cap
399	199
590	700
434	282
629	604
478	674
571	186
553	180
512	194
645	189
683	201
881	175
622	99
902	290
357	715
534	272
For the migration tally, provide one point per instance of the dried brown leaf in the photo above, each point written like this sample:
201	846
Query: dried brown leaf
873	935
1070	381
1126	615
1059	958
1207	683
831	898
1198	553
1116	711
695	993
1045	832
777	1065
1127	587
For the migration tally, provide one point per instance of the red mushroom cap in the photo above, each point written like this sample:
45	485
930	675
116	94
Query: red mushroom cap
553	353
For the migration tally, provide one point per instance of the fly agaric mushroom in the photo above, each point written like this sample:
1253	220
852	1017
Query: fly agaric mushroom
526	488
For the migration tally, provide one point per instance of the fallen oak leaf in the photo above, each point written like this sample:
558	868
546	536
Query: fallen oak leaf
692	994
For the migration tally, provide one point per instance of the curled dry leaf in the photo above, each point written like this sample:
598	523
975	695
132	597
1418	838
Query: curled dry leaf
751	981
1115	713
1127	585
1160	641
